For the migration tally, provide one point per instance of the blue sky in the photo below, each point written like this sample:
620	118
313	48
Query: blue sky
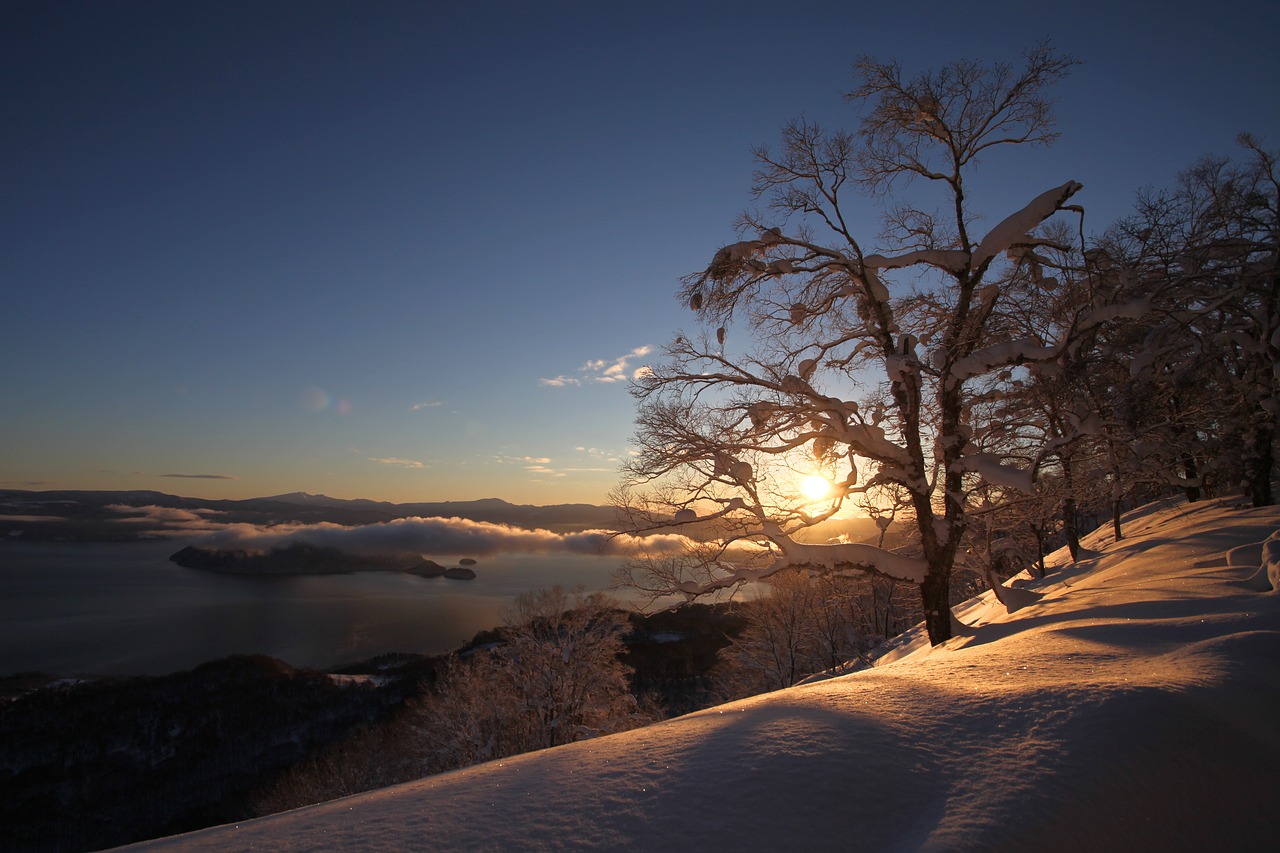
392	249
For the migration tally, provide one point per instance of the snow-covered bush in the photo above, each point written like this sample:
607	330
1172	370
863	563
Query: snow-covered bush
554	678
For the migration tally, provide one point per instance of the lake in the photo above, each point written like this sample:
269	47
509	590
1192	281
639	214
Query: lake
124	609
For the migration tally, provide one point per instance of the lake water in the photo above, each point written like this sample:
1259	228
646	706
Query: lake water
123	608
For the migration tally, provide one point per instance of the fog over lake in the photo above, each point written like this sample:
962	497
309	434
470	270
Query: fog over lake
124	608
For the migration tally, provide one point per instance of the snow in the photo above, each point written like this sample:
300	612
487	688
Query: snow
1132	706
1015	227
833	556
1133	310
988	467
1004	354
951	260
870	441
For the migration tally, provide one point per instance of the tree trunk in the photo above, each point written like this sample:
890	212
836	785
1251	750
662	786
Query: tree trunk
1038	532
1192	473
1263	462
935	597
1071	527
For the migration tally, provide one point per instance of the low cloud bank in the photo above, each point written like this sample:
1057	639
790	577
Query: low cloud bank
443	536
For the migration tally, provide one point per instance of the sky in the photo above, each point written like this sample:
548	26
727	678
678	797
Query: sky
414	251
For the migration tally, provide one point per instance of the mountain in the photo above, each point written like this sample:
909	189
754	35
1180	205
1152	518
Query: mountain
1132	705
97	515
307	499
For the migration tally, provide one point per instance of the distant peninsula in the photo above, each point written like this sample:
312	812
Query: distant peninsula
301	558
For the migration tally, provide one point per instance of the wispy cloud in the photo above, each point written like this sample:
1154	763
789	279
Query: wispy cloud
397	462
603	370
426	404
544	466
201	476
522	460
169	520
541	466
597	453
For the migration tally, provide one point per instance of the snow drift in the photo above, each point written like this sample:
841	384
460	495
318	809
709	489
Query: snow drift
1134	705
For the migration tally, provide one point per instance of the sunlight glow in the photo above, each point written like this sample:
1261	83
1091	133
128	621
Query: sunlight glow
815	487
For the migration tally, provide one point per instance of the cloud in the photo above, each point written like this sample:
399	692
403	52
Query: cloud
169	520
597	453
397	462
604	370
541	465
201	476
426	404
440	536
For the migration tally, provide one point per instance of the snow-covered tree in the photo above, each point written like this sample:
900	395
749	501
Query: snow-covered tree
1078	416
1209	249
561	659
805	624
554	678
864	359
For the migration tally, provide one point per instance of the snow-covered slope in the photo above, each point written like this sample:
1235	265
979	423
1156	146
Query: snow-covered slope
1135	705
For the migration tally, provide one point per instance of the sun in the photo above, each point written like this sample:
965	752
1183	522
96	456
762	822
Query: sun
815	487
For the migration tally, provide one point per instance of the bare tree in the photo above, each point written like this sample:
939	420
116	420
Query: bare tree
724	437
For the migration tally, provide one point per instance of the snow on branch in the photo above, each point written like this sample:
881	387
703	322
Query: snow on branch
870	441
836	557
1006	354
731	260
852	555
1014	228
950	260
1134	310
988	467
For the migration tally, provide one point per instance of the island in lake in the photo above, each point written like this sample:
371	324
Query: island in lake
301	558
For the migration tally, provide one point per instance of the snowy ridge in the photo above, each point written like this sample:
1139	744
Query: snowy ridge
1132	706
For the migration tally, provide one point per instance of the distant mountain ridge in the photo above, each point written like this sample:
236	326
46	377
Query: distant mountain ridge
95	515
